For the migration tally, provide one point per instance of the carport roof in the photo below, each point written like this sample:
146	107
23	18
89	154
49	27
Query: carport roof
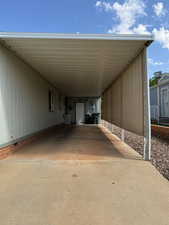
77	64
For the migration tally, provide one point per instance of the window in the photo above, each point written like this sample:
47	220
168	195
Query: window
51	101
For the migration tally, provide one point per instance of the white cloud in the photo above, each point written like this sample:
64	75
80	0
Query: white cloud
98	4
162	36
104	5
141	29
127	14
154	63
159	9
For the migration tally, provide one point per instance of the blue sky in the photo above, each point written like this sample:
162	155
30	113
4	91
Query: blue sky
89	16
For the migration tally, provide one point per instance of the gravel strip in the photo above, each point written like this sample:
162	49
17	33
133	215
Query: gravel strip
160	149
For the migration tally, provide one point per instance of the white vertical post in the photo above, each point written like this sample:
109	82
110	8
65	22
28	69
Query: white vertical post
108	125
112	128
147	123
122	135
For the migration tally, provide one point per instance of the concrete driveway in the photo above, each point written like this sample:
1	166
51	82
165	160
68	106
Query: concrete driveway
71	189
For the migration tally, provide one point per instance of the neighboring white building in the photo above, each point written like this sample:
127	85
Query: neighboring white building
159	98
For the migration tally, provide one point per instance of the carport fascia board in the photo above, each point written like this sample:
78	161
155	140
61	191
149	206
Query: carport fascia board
76	36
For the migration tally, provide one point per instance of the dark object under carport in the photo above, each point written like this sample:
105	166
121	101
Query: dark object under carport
92	119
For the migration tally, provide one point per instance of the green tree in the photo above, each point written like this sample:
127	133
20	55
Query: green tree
154	80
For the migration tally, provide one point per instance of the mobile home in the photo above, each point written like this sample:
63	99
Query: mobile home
159	99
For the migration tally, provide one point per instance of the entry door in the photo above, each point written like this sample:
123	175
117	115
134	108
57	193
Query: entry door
164	102
79	113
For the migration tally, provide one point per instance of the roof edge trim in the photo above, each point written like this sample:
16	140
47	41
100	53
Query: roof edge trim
9	35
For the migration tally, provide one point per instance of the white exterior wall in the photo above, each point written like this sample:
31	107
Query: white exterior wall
24	100
123	101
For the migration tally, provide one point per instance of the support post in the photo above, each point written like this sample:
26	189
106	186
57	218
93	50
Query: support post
122	135
112	128
147	123
107	126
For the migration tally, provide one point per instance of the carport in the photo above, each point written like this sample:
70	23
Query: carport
39	70
40	75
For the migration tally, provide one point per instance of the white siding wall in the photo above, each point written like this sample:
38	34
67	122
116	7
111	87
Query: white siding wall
24	100
123	102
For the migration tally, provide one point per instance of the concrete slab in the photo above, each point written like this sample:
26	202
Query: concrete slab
76	143
122	190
